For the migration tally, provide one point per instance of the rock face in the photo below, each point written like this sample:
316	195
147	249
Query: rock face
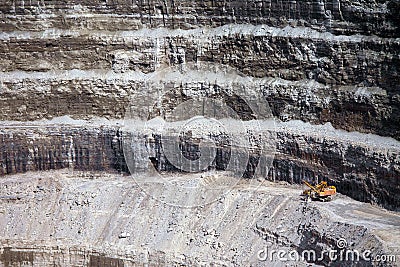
84	94
99	219
355	61
326	154
329	70
342	17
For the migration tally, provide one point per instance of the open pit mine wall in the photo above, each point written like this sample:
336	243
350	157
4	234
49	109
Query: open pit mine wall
321	61
373	179
340	16
357	74
84	94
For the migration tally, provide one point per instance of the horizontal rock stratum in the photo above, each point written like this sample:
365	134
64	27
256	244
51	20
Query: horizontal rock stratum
303	152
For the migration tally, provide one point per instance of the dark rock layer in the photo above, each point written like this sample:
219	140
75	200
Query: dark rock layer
368	174
341	17
289	53
353	108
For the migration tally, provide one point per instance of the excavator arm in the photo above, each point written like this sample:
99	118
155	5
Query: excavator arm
310	186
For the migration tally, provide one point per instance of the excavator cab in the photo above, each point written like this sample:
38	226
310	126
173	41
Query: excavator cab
321	191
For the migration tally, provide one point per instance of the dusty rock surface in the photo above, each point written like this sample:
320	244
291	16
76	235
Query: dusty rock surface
329	70
75	218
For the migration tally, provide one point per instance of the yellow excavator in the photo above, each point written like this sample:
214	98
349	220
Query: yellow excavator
321	191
